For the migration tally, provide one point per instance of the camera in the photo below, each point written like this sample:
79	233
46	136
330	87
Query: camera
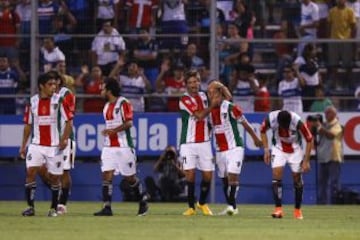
313	119
169	155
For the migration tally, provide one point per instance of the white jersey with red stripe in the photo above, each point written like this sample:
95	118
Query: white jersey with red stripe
193	130
68	99
116	114
224	121
44	115
287	140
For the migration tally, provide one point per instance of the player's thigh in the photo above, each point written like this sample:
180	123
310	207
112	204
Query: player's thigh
35	156
295	160
127	164
69	155
235	159
205	156
221	164
55	165
278	158
109	158
188	157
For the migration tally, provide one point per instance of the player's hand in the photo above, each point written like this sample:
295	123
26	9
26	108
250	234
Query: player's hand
305	166
107	132
22	152
267	156
63	144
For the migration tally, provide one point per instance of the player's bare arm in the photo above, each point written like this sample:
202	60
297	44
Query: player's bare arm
66	134
26	135
127	125
250	130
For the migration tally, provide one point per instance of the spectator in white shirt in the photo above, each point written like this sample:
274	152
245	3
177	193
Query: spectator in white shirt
290	90
309	23
107	10
106	47
52	55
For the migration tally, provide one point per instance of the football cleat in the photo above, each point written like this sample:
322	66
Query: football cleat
189	212
61	209
229	210
52	213
29	212
278	213
106	211
298	214
205	209
143	208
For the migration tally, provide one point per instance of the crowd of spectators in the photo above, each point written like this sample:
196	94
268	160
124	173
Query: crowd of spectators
121	41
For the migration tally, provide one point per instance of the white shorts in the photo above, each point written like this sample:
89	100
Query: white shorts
280	158
69	155
229	161
197	155
52	157
120	160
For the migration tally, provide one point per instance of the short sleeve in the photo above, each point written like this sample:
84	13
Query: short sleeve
127	111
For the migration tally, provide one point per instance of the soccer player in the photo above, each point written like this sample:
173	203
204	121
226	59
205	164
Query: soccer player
118	154
67	98
286	149
195	146
230	150
41	119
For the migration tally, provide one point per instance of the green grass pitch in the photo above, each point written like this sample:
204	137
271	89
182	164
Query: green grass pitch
164	221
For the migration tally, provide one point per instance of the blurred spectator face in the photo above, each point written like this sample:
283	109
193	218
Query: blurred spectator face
232	30
330	114
341	2
178	73
107	28
288	74
133	69
5	3
240	6
58	23
319	93
96	72
144	35
191	50
4	63
61	67
49	44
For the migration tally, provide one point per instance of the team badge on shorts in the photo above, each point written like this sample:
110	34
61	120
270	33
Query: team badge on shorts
130	164
58	164
117	110
29	157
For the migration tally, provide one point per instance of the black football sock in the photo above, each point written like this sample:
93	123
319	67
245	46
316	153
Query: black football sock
30	189
64	195
204	191
191	194
225	189
298	189
233	189
107	193
277	192
55	190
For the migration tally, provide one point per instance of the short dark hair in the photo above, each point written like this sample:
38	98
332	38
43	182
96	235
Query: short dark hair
56	75
43	79
191	73
284	119
113	86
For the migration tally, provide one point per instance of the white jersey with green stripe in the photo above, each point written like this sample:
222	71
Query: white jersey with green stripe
193	130
224	120
68	97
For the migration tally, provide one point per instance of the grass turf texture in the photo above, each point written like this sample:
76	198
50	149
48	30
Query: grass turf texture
165	221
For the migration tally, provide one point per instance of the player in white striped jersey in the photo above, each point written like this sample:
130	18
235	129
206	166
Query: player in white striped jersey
41	120
195	146
68	100
118	154
230	149
286	148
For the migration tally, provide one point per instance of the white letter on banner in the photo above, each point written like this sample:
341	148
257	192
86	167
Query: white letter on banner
158	139
133	133
84	142
100	137
143	134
